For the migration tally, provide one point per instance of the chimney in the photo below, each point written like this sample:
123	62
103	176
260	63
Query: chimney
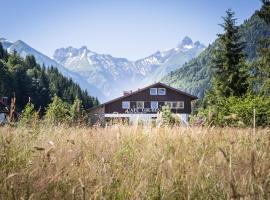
125	93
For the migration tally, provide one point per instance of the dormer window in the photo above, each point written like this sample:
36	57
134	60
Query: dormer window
161	91
153	91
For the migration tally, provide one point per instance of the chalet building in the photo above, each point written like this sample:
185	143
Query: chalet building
3	110
145	104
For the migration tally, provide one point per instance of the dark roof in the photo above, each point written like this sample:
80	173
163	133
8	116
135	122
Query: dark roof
150	86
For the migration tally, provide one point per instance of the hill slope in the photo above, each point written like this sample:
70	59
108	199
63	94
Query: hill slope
194	77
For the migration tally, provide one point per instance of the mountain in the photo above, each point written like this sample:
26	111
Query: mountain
170	60
112	75
24	49
109	74
195	76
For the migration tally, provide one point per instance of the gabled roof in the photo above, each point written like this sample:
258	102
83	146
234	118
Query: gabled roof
148	87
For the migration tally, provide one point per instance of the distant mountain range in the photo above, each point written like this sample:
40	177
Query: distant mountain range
113	75
106	76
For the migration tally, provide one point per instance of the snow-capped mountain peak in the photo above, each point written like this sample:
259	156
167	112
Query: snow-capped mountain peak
187	44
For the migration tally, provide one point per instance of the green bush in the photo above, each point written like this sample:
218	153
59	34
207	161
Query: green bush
57	112
238	111
30	116
169	118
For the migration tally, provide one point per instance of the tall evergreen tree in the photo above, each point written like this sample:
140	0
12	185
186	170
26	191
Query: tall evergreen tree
30	61
230	77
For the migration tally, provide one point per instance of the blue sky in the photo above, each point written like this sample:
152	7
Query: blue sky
122	28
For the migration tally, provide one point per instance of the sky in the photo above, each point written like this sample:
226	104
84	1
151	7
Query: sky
131	29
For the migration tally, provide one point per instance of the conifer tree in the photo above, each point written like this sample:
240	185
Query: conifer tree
230	78
30	61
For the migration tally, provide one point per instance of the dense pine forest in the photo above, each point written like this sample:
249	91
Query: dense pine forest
27	81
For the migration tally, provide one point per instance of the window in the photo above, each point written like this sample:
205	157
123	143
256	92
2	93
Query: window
161	91
169	104
125	104
175	104
153	91
154	105
180	104
140	104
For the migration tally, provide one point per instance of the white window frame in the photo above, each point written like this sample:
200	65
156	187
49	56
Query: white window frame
138	103
161	89
127	103
168	103
180	104
174	104
154	103
153	93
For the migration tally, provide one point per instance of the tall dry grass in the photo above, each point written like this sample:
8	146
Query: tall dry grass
132	162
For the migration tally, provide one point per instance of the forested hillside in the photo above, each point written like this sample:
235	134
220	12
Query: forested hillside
195	76
28	81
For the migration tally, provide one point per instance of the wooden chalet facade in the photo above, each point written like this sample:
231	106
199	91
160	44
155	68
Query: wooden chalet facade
145	104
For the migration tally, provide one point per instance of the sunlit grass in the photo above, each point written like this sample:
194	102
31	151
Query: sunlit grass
134	162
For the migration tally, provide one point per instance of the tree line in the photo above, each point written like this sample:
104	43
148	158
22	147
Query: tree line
238	86
29	82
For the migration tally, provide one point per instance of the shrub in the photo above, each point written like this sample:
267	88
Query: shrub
76	112
169	118
29	115
57	111
238	111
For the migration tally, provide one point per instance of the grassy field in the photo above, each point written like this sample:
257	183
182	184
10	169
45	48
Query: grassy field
130	162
